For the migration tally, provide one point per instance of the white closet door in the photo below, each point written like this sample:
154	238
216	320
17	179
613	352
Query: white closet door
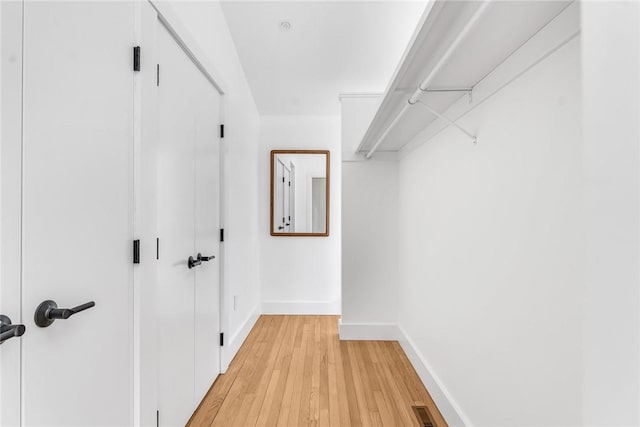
10	212
176	213
77	212
188	224
207	237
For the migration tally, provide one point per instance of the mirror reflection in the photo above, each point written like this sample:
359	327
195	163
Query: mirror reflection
299	193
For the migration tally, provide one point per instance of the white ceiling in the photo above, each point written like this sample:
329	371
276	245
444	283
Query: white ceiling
332	47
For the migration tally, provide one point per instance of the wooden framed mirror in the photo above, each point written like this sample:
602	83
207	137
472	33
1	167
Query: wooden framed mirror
300	193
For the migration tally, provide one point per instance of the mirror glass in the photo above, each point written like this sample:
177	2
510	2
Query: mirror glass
300	193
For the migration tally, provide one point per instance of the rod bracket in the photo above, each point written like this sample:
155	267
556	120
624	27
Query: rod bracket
471	136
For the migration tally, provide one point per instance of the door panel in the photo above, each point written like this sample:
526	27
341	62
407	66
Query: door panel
188	221
10	211
287	200
207	227
176	212
278	199
78	211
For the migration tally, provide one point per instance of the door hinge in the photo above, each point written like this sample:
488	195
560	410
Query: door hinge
136	58
157	248
289	183
136	251
221	131
283	179
222	234
157	418
157	74
221	339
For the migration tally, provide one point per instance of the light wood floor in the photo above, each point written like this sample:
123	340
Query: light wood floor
295	371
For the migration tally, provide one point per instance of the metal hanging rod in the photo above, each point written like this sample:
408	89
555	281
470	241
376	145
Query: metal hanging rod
467	90
424	86
474	139
438	90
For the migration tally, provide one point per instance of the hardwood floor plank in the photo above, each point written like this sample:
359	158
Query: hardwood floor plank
294	371
352	399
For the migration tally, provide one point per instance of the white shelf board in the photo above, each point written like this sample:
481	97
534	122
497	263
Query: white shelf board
503	29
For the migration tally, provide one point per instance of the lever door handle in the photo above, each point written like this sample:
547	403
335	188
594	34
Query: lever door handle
205	258
8	331
193	262
281	228
48	311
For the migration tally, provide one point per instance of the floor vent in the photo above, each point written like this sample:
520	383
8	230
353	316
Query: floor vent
424	417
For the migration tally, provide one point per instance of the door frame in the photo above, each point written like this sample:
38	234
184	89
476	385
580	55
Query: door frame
145	125
11	14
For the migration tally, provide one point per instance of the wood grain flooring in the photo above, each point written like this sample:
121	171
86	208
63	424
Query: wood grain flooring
295	371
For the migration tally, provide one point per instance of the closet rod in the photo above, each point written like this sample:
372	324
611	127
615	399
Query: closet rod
422	87
503	86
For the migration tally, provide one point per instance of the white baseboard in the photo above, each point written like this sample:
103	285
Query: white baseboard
449	408
301	307
231	349
370	331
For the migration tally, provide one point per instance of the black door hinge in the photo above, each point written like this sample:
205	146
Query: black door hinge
221	131
136	58
222	234
157	418
157	248
136	251
157	74
221	339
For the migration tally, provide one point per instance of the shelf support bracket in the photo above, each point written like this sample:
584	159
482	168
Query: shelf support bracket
473	138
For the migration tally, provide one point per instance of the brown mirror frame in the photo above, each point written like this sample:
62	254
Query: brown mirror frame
271	213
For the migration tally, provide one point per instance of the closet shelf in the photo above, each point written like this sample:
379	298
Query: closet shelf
455	46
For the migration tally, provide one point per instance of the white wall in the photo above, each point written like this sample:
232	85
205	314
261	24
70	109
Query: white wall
300	274
490	252
611	85
357	111
369	245
369	229
205	20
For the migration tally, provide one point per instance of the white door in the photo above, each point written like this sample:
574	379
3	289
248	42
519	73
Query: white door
292	198
77	213
10	211
287	200
207	236
188	223
278	199
176	211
